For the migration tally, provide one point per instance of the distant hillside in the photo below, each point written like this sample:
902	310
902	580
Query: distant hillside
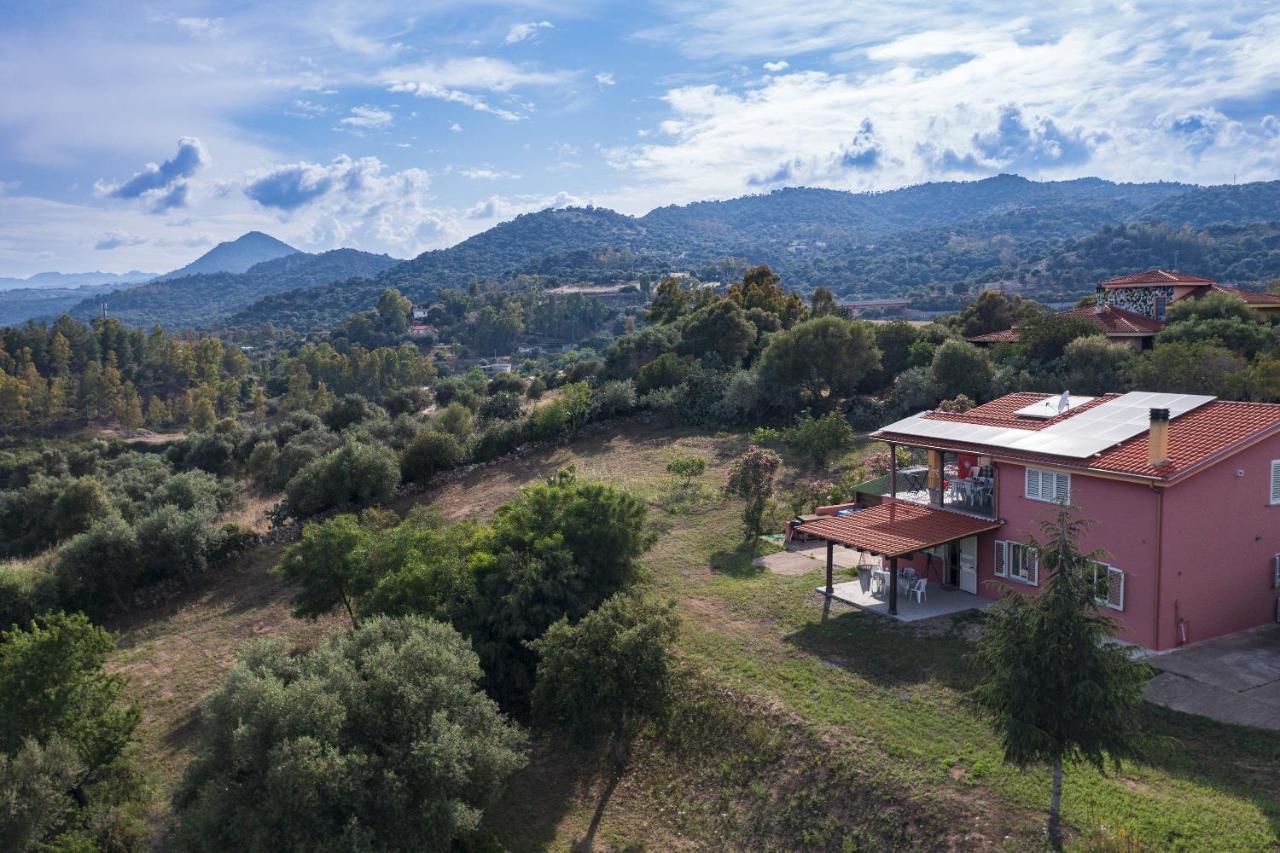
19	305
74	279
200	301
936	243
236	256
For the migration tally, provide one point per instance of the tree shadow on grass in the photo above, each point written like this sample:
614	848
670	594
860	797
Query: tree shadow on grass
739	562
886	652
538	797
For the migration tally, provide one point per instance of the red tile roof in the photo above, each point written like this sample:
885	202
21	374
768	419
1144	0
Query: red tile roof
895	528
1253	297
1117	321
1196	438
1007	336
1113	321
1002	411
1155	277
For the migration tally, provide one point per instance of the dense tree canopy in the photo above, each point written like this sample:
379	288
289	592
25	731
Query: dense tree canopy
379	739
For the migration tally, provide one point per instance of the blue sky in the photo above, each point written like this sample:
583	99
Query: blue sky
138	135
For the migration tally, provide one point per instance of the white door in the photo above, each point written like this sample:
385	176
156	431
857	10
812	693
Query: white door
969	564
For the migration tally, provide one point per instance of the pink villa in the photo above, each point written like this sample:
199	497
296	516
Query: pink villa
1182	492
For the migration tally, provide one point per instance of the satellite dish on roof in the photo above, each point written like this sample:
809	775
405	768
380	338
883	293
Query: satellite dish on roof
1064	402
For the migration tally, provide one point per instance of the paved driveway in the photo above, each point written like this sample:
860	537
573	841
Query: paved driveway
1232	679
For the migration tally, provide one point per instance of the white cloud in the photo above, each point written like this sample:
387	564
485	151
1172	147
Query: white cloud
523	32
486	174
1125	96
369	118
458	81
774	67
455	128
605	78
497	208
116	239
202	27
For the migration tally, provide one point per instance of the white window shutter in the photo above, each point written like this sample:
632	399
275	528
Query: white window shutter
1062	488
1033	566
1033	483
1001	568
1115	588
1275	482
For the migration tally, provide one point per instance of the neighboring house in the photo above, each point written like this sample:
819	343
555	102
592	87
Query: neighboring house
422	330
1134	330
1132	308
1182	492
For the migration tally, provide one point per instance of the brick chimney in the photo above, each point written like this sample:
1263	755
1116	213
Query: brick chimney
1158	437
1100	300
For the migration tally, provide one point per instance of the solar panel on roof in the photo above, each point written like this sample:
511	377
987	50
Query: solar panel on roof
1049	407
1079	436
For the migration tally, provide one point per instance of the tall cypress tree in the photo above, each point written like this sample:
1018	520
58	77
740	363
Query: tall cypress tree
1058	688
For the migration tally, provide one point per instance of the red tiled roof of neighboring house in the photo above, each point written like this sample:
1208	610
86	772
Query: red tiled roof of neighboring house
1006	336
895	528
1195	438
1117	321
1252	297
1114	321
1155	277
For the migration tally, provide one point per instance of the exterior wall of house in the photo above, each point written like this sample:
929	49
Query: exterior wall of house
1140	300
1123	523
1220	538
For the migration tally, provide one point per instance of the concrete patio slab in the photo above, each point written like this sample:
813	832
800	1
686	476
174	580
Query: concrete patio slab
805	557
938	602
1233	679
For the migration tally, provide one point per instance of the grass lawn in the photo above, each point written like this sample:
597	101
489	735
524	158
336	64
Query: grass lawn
804	726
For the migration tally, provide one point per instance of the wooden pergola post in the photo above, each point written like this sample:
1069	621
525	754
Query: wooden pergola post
893	586
830	563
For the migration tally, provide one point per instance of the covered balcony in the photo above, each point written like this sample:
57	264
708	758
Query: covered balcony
960	482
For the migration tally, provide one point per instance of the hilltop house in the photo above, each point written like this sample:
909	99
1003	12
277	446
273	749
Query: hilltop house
1131	308
1181	491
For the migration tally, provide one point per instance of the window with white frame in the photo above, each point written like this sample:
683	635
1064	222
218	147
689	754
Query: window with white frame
1108	586
1051	486
1275	482
1017	562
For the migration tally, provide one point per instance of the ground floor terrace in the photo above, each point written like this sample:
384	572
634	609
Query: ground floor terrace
914	561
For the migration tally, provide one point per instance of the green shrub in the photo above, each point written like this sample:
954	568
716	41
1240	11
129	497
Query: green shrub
819	439
430	453
550	420
765	436
504	406
175	543
613	398
537	387
100	566
377	740
25	593
500	438
352	474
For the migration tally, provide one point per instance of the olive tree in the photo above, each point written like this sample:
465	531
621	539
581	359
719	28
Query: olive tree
817	361
378	739
607	673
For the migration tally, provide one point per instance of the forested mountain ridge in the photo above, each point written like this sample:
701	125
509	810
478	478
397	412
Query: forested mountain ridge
936	243
203	300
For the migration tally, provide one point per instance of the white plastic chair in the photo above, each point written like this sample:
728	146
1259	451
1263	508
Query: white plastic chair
918	590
